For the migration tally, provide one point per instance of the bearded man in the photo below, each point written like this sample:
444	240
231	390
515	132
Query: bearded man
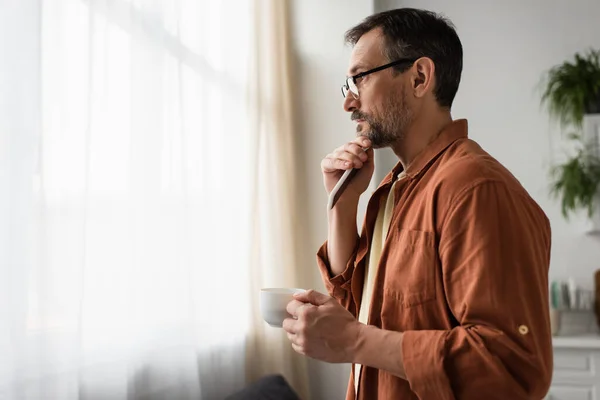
444	294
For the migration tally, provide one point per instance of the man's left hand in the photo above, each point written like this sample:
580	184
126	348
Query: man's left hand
321	328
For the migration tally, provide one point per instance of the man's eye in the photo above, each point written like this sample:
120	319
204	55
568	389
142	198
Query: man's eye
359	80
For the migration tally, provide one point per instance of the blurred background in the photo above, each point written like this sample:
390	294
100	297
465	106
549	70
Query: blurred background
159	164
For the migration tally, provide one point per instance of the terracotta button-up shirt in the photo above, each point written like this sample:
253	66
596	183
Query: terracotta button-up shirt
463	273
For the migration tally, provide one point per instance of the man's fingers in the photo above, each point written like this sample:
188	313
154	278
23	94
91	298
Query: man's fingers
346	156
350	155
356	150
290	325
362	142
293	306
312	297
296	341
298	349
342	157
332	164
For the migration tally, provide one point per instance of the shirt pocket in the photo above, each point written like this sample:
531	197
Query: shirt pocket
411	268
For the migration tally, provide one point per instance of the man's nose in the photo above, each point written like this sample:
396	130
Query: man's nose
351	103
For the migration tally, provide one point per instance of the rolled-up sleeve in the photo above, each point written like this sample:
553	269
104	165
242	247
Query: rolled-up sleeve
494	248
338	286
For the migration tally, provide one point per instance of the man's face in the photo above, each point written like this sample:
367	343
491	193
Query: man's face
382	112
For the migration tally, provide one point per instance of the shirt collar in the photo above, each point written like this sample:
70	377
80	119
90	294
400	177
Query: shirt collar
455	130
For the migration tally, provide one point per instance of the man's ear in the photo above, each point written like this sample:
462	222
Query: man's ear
423	76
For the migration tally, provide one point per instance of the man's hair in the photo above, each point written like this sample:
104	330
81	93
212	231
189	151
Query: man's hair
413	33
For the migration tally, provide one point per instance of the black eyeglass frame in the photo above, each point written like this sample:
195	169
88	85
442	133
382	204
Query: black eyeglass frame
346	86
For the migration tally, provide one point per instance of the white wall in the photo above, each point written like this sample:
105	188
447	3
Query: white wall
322	125
507	46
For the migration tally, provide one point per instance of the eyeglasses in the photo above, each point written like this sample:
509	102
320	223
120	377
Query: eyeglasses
350	85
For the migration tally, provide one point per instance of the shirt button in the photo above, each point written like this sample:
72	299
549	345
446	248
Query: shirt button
523	330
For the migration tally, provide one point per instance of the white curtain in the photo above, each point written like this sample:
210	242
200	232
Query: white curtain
132	184
276	208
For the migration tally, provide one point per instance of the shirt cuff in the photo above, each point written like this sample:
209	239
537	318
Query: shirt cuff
423	356
337	286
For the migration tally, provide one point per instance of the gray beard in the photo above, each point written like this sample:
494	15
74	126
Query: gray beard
391	127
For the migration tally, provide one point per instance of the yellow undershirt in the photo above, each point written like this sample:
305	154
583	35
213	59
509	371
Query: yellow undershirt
382	224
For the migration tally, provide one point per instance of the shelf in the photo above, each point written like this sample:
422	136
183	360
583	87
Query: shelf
587	341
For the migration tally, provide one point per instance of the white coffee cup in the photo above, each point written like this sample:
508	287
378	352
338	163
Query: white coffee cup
273	303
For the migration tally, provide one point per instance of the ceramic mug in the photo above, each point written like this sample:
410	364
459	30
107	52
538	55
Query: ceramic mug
273	303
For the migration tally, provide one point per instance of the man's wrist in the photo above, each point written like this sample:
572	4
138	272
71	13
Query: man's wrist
359	344
347	203
381	349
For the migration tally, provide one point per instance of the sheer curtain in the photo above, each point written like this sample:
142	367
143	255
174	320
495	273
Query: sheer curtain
275	206
133	177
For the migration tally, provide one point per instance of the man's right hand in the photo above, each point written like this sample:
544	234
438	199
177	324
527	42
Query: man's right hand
351	155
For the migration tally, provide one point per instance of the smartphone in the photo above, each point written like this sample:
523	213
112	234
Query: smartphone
339	187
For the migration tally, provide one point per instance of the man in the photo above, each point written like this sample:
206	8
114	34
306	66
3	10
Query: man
444	295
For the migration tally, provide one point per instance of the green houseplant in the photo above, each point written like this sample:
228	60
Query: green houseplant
577	181
572	90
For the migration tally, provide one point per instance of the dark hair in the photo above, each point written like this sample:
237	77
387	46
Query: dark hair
413	33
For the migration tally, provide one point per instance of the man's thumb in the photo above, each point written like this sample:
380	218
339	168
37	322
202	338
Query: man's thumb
313	297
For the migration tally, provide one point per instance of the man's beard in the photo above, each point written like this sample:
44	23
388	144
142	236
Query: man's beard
389	126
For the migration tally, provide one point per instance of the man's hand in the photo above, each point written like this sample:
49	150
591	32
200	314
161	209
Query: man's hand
351	155
321	328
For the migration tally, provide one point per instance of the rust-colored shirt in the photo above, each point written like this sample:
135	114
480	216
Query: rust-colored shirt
463	273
